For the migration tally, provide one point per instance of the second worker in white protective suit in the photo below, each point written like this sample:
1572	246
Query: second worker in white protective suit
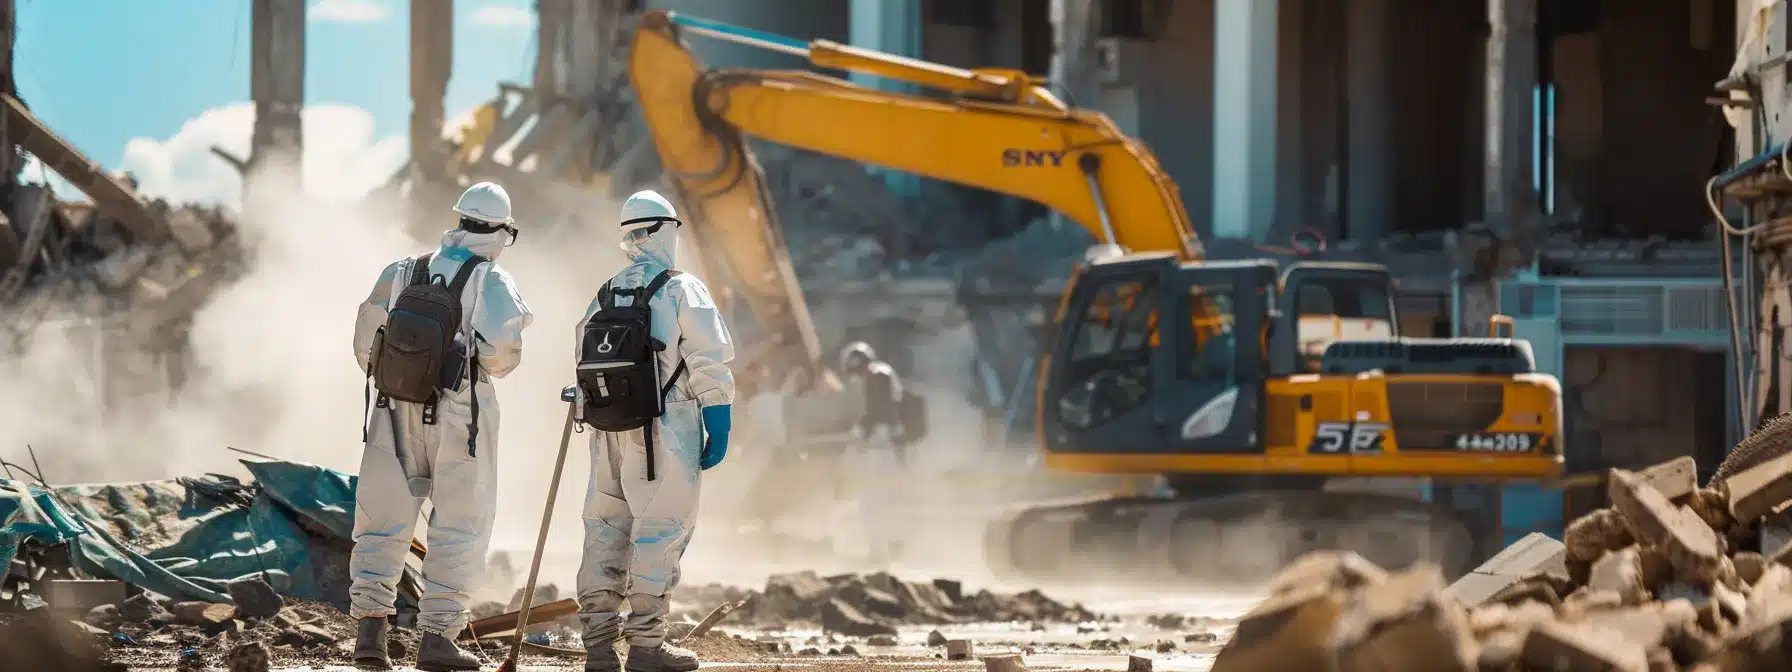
432	449
641	506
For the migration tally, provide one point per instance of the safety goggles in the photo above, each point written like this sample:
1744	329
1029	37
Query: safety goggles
477	226
642	231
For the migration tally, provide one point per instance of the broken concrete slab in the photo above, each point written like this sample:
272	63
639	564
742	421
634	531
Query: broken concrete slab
1008	662
1676	479
1759	490
1536	552
1690	545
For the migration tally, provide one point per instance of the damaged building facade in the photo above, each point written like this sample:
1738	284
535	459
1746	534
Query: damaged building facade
1537	158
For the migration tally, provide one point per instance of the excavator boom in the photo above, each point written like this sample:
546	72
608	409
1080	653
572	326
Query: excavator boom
1026	145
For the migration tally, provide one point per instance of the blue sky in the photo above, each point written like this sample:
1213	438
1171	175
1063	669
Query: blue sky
101	72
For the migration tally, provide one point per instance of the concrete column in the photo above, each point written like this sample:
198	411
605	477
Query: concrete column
890	26
1244	118
277	85
1369	172
432	60
1511	80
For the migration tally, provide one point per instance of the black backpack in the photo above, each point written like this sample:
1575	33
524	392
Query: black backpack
415	356
619	370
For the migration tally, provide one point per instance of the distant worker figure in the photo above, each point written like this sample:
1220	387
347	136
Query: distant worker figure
653	379
892	420
431	325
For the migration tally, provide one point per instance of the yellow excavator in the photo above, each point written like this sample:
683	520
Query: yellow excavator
1271	380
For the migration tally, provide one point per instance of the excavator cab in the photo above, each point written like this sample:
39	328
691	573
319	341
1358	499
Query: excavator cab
1121	381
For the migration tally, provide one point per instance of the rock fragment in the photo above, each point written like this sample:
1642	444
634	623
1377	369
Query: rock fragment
251	656
958	649
1008	662
1621	572
1138	663
255	598
1565	647
201	613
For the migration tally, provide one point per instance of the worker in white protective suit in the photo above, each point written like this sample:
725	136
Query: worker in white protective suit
879	450
445	451
640	510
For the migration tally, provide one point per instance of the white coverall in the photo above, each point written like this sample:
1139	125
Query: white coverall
435	458
636	530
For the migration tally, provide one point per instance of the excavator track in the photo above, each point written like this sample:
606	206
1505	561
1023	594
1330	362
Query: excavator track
1236	538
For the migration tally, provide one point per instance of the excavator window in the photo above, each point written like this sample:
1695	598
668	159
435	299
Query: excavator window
1339	309
1109	367
1211	351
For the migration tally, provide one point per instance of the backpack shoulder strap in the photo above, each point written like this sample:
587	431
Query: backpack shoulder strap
606	297
659	281
466	271
420	268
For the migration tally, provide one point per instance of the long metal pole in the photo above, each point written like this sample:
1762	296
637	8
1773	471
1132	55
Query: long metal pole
547	514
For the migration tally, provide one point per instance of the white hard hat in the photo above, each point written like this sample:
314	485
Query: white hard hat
647	208
486	202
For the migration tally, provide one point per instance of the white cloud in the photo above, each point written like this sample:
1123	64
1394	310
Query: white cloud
496	15
342	161
353	11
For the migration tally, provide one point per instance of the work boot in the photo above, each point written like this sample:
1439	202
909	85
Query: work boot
662	658
602	659
439	654
370	644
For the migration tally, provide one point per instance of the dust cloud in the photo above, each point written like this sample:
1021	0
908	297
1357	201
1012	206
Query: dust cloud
272	371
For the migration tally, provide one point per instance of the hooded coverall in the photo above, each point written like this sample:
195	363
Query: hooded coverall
636	530
434	458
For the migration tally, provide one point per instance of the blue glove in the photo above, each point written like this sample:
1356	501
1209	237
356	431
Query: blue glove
716	419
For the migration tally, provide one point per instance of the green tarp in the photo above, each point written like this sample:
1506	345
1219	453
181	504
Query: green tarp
188	539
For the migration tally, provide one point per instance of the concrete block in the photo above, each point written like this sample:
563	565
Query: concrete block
1677	479
958	649
1404	623
1567	648
1759	490
1138	663
1690	545
1621	572
1535	552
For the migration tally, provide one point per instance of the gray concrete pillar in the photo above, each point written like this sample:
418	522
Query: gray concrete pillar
894	27
277	86
1369	173
1244	118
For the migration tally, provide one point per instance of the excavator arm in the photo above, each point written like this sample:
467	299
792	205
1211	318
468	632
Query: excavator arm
993	129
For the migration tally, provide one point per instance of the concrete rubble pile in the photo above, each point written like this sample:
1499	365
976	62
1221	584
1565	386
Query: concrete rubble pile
875	604
144	266
1672	576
